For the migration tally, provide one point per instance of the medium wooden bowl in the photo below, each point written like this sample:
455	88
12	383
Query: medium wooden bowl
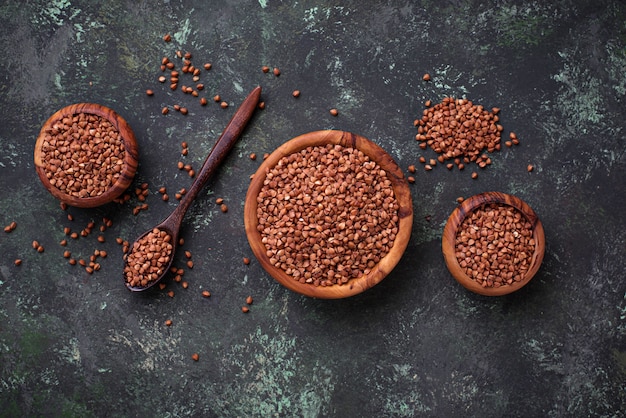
402	195
131	156
456	219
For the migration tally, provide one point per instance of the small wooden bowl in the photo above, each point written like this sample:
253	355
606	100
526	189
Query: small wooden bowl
131	155
402	195
456	219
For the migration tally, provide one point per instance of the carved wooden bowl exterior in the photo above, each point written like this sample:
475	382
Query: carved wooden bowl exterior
456	219
131	155
401	190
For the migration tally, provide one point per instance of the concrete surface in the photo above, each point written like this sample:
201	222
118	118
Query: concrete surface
418	344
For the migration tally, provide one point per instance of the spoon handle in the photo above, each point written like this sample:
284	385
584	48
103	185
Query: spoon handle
221	148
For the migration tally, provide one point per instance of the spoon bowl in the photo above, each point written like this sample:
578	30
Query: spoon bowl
172	229
171	224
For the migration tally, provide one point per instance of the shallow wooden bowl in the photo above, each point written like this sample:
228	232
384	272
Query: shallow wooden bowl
402	194
456	219
131	155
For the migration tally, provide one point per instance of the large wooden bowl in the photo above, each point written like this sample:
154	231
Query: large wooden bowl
456	219
401	191
131	155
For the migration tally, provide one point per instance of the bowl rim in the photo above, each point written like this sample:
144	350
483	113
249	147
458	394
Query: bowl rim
131	155
467	207
401	192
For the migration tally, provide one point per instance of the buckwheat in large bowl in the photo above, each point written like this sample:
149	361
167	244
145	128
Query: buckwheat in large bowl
86	155
328	214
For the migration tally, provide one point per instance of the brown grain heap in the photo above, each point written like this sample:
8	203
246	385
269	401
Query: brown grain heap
83	155
148	258
495	245
327	214
459	130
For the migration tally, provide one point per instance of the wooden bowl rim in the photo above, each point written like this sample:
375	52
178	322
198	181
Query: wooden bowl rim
401	191
131	155
466	208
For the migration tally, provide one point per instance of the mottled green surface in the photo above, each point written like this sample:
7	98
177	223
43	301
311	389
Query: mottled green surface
73	344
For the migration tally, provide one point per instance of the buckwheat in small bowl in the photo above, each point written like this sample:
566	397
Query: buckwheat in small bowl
493	244
328	214
86	155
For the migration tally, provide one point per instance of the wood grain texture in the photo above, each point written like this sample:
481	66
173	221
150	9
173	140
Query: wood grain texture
401	190
131	156
466	208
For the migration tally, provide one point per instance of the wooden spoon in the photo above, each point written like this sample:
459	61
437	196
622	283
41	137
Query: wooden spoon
172	223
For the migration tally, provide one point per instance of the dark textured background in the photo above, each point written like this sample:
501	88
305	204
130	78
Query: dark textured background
418	344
